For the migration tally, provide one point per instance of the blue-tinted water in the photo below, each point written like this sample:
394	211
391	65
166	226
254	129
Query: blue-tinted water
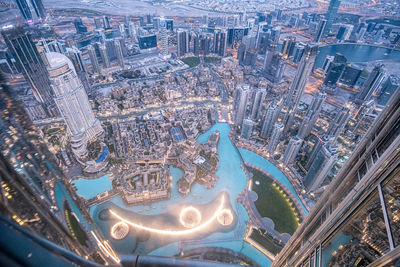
61	194
232	180
357	53
88	188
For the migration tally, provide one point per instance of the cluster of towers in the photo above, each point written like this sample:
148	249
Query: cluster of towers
57	86
276	118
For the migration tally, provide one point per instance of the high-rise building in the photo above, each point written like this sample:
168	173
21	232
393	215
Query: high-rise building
271	114
247	129
339	122
147	41
320	168
354	221
274	65
350	74
275	137
388	88
34	193
240	103
331	14
79	26
299	83
241	53
344	32
220	42
288	45
372	84
98	23
121	28
250	58
312	115
73	103
292	149
182	42
93	59
30	63
132	31
257	103
106	23
335	70
163	38
32	10
169	24
118	52
326	140
75	55
104	56
320	30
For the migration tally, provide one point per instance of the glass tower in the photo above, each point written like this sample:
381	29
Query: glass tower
30	64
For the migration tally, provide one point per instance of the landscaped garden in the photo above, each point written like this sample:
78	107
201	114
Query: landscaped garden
191	61
273	203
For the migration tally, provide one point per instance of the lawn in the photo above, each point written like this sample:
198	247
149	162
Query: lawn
191	61
77	232
272	204
265	241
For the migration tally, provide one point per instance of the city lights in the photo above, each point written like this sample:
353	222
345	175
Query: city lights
175	232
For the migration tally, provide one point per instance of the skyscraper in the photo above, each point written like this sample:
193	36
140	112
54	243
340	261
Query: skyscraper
104	56
312	114
321	166
32	10
220	42
106	23
30	63
121	28
292	149
164	38
331	14
372	84
132	31
335	69
275	137
247	128
182	42
299	83
73	103
339	122
118	52
257	103
271	115
355	219
79	26
93	59
75	55
240	103
274	65
320	30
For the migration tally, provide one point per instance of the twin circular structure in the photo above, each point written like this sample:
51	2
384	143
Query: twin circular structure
189	217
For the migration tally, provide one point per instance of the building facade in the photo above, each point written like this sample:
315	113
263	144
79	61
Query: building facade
73	103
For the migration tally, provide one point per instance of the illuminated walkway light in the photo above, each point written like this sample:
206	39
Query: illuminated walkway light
174	232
